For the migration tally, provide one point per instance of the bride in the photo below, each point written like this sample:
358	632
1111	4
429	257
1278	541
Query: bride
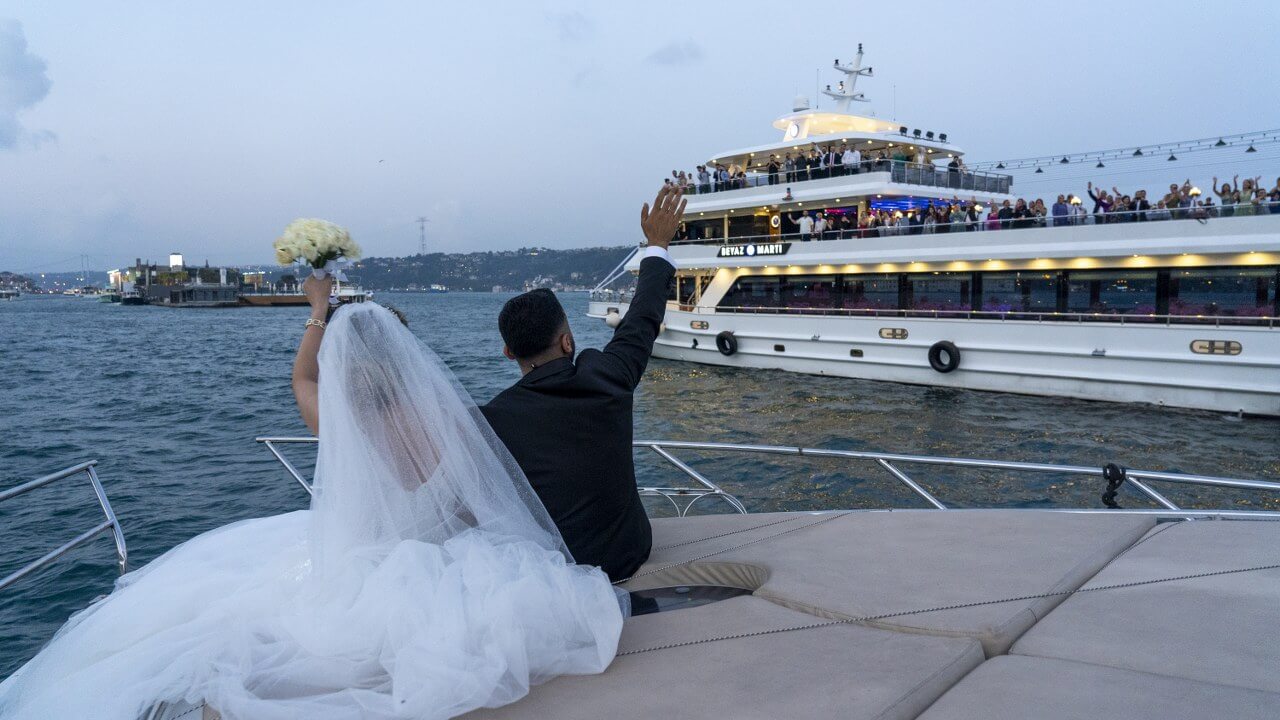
425	581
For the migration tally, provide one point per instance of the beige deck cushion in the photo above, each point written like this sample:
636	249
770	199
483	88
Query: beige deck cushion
678	539
1017	688
844	671
1223	629
868	563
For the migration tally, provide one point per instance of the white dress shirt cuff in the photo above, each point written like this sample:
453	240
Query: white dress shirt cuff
655	251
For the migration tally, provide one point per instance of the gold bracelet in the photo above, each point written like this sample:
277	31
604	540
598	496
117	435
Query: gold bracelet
317	323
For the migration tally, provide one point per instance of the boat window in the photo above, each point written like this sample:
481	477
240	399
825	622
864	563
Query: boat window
748	226
871	292
754	291
1019	292
1112	292
809	291
705	229
686	288
939	291
1229	291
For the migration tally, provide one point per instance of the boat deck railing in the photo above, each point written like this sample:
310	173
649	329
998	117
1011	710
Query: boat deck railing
109	524
899	171
682	498
1112	477
985	223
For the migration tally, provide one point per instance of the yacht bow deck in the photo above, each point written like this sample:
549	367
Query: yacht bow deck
942	613
1011	638
937	614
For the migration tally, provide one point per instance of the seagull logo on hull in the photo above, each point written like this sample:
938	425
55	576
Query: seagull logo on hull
754	250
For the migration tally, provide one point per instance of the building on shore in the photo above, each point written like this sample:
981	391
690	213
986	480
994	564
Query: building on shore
180	285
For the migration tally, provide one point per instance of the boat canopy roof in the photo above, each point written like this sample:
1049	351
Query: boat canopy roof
802	131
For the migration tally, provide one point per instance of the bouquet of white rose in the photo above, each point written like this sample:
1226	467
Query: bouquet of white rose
319	243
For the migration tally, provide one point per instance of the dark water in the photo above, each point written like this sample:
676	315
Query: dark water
170	400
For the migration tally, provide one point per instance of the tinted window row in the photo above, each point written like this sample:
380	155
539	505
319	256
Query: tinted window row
1226	291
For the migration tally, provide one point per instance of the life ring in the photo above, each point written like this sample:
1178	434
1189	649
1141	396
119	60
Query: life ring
953	356
726	343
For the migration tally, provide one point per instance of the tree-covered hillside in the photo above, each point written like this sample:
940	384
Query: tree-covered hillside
508	269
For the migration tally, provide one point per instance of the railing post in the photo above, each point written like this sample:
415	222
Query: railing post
288	466
110	523
911	484
117	534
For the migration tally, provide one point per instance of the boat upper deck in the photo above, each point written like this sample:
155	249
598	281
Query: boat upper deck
822	187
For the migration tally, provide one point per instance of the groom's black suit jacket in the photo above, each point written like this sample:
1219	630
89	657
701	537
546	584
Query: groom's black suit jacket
569	426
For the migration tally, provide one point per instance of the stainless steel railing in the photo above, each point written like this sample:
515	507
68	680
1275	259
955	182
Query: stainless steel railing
891	462
111	523
271	442
683	499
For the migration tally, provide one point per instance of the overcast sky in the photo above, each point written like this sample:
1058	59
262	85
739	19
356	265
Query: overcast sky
133	129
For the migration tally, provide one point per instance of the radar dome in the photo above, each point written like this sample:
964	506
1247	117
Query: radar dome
800	103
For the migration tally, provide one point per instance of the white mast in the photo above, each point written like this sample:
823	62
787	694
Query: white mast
844	92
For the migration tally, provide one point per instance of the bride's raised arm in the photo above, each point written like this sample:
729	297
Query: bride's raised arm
306	367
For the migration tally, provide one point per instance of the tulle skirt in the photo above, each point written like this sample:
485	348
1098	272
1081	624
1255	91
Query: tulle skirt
238	617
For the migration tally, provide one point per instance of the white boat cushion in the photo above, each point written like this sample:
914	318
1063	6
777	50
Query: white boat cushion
1016	687
832	672
869	563
1223	629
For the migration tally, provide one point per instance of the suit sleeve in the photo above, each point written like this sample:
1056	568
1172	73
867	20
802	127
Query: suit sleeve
627	354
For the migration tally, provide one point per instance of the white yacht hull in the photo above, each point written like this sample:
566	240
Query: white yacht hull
1132	362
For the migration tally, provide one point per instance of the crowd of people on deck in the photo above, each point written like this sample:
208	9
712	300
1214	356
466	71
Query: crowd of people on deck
1185	201
817	162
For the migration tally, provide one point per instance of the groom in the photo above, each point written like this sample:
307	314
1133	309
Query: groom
568	422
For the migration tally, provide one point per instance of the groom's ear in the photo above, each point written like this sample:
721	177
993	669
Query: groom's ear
507	351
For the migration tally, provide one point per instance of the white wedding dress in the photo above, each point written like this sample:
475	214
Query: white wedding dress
425	581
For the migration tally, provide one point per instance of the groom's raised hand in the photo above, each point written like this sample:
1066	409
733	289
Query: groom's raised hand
660	224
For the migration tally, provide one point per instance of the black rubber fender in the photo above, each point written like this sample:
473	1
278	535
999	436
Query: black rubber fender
952	354
726	343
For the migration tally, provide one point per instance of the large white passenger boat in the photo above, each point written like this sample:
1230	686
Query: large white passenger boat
1181	312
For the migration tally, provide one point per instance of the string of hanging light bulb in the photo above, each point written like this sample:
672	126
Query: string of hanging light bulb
1245	142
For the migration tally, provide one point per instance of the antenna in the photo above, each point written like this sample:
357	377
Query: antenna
846	92
422	235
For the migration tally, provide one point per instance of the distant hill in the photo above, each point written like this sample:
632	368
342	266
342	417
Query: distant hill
14	280
507	269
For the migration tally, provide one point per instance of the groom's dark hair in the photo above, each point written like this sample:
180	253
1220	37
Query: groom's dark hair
530	322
